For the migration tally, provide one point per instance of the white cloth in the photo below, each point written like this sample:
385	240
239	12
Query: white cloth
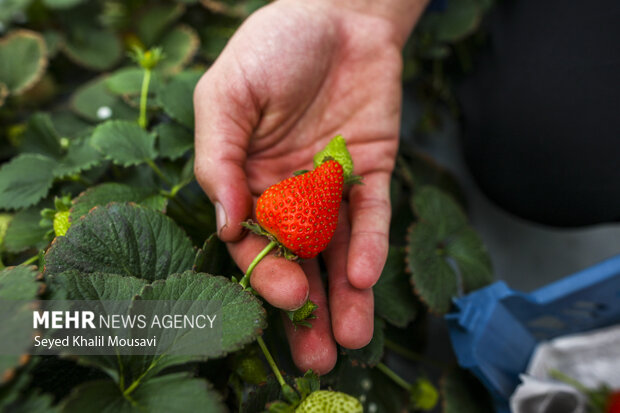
591	358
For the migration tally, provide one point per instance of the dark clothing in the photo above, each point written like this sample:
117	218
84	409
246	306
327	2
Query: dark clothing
542	111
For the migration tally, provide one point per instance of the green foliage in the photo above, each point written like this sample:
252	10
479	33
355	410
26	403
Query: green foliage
24	231
124	142
93	48
95	102
176	98
179	46
394	300
25	180
73	285
173	140
155	19
22	60
103	194
131	240
16	283
172	392
442	248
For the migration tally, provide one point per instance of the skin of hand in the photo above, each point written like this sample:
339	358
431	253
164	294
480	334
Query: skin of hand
293	76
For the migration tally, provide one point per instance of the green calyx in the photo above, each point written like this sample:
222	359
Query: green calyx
147	59
301	316
337	150
423	395
258	230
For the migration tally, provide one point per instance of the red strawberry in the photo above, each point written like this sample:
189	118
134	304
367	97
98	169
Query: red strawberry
613	403
301	212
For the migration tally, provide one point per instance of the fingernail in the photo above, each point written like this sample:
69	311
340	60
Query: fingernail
220	217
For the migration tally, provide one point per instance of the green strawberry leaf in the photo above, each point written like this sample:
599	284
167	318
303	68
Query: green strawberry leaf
434	206
372	353
103	194
260	396
122	239
444	250
394	300
23	57
4	93
61	4
12	8
213	39
173	140
243	315
53	41
81	156
34	401
433	278
169	393
124	142
179	45
460	19
16	283
472	259
94	102
72	285
24	231
19	283
70	124
155	19
213	257
93	48
177	97
127	81
25	180
41	137
463	393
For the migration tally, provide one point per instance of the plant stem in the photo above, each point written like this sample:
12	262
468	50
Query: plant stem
246	277
244	283
144	95
80	179
271	361
395	377
558	375
30	260
136	382
158	171
411	355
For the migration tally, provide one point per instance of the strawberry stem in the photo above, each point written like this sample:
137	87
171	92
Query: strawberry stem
144	95
271	361
395	377
246	277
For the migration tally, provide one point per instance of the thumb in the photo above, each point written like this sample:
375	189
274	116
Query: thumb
225	117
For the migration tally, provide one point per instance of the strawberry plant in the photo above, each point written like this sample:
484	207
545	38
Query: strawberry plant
98	201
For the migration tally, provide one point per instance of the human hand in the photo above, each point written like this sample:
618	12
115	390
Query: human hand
294	75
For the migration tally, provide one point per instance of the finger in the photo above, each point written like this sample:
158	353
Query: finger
351	308
279	281
369	207
313	348
225	118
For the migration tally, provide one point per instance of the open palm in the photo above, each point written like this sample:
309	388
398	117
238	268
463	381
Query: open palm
291	78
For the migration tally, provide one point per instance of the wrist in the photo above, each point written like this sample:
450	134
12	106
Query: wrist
402	15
